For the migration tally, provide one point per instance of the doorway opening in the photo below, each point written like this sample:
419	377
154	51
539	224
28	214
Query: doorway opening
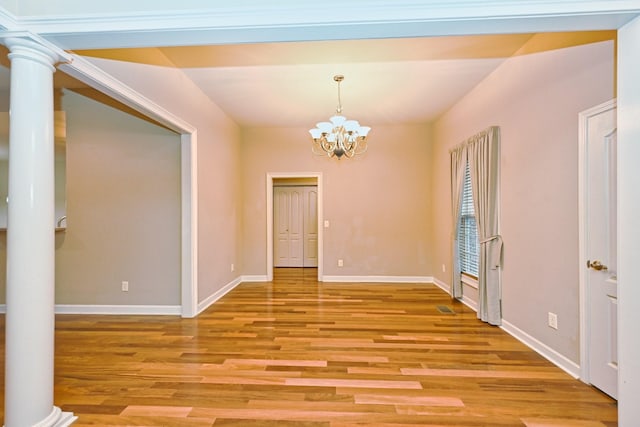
289	243
295	222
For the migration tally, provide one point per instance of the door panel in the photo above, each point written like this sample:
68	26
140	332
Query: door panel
601	243
295	227
311	227
281	222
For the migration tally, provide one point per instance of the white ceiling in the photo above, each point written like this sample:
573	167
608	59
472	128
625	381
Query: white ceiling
376	92
387	81
410	80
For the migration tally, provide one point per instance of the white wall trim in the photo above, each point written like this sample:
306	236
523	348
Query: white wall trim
255	278
442	285
251	14
628	227
189	223
545	351
290	21
473	305
469	281
207	302
269	190
98	79
8	20
169	310
165	310
378	279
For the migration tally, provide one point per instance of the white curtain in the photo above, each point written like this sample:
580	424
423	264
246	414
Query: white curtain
458	165
484	163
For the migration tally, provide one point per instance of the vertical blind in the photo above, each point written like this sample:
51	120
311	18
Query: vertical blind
467	230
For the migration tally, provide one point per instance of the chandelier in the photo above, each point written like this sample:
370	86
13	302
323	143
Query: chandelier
339	137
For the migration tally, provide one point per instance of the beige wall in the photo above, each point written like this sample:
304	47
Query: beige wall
377	204
123	201
219	189
535	99
123	209
114	234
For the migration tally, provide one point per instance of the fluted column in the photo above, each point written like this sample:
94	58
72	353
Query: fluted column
30	240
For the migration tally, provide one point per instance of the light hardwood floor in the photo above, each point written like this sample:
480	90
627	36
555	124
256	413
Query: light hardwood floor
296	352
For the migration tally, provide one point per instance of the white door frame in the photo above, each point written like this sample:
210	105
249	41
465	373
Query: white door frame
583	232
88	73
189	224
274	175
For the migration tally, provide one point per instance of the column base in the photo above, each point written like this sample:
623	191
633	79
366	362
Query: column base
57	418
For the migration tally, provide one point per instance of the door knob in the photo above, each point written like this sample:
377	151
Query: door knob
596	265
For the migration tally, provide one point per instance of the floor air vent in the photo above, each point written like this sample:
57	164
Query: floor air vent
445	309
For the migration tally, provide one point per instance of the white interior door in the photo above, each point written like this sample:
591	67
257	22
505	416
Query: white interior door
288	220
295	218
310	225
600	193
288	224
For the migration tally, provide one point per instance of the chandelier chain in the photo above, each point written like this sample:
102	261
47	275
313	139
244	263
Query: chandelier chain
339	108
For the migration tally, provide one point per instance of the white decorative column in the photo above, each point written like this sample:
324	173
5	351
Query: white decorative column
30	240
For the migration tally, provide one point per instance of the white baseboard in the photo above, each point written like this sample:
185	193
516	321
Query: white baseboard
204	304
378	279
255	278
442	285
545	351
473	305
465	300
172	310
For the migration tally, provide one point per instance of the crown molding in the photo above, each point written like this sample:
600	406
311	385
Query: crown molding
249	12
8	21
290	20
93	76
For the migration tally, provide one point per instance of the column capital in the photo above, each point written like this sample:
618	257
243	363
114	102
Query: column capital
27	45
27	48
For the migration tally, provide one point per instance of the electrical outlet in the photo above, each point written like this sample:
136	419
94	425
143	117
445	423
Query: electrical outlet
233	267
340	263
125	286
553	320
444	268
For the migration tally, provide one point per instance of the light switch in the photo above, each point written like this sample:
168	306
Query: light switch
326	223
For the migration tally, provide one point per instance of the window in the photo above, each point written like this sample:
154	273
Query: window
467	230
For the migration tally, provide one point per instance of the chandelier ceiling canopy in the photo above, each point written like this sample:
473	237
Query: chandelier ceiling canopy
339	137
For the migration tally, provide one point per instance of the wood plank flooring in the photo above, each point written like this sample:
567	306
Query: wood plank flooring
300	353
